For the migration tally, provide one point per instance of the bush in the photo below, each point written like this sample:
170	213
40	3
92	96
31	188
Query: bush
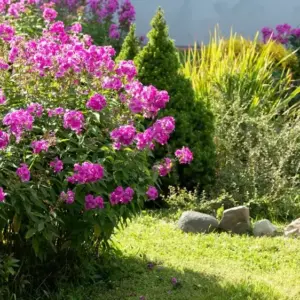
257	140
158	64
74	154
107	21
130	47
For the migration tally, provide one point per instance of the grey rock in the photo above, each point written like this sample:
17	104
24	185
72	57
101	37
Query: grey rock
293	229
264	228
236	220
192	221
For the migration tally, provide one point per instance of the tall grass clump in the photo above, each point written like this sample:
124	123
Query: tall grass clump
257	129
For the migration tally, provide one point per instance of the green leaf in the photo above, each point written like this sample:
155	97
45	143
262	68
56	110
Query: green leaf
97	230
16	223
41	226
30	233
35	246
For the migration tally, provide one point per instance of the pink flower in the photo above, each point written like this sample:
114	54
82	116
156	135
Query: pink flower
2	97
127	69
18	121
13	54
127	195
184	155
296	32
162	129
76	28
114	32
74	120
49	14
57	27
56	112
92	203
111	83
86	173
126	13
39	146
152	193
57	165
35	109
6	32
116	195
145	99
23	172
165	168
145	139
68	197
4	139
124	135
96	102
2	195
119	195
3	65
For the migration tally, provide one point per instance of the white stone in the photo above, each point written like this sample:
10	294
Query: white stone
293	229
264	228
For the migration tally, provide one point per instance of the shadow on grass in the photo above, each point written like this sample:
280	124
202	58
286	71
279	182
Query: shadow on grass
128	278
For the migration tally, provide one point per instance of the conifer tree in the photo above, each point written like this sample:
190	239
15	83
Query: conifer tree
158	64
130	47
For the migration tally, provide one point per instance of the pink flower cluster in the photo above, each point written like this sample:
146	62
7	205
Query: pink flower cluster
123	136
159	132
35	109
86	173
39	146
18	121
56	112
184	155
281	35
145	99
92	202
49	14
4	140
57	165
126	13
127	69
13	54
59	53
165	168
2	195
74	120
96	102
114	32
23	172
68	197
3	65
152	193
121	195
6	32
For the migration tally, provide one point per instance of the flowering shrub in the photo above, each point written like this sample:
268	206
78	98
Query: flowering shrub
282	34
285	35
74	150
107	21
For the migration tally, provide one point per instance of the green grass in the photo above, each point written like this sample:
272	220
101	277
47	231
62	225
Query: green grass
214	266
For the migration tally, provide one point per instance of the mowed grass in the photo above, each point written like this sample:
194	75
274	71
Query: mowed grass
215	266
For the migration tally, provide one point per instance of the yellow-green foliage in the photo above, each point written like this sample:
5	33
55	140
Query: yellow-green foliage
283	57
235	65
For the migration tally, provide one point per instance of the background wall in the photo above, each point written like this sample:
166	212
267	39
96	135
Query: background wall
192	20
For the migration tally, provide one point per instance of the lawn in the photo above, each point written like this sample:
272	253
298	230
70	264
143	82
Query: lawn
152	251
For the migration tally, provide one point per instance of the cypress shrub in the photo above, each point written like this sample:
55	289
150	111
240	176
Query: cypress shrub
158	64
